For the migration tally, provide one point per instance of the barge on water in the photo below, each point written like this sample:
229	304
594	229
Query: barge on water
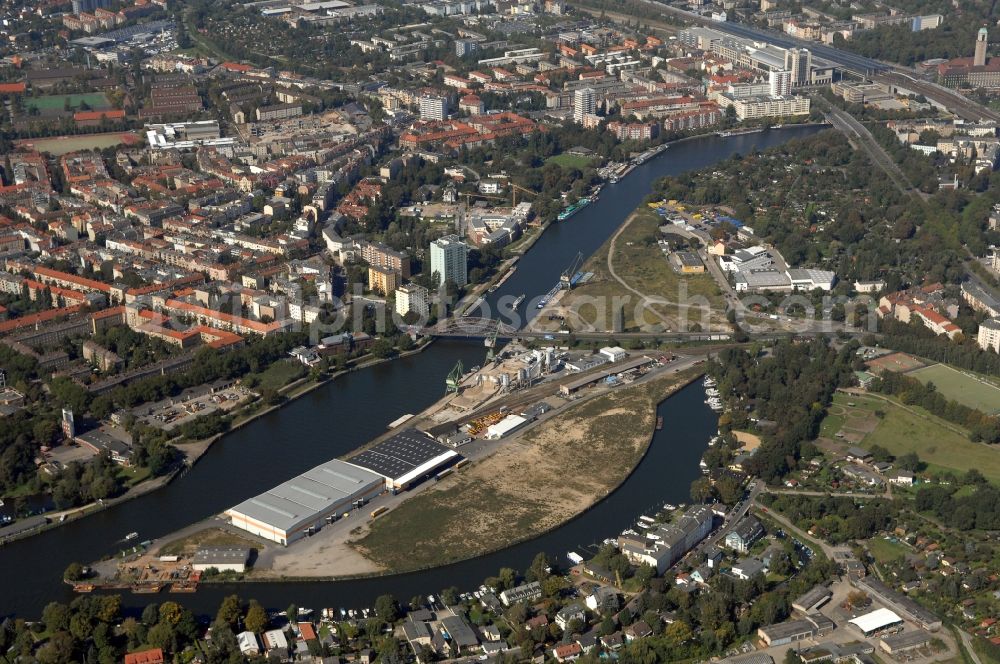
548	296
573	209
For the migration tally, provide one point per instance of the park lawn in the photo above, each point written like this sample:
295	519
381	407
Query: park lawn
960	386
60	145
95	100
936	442
566	160
886	551
639	261
833	422
280	374
133	476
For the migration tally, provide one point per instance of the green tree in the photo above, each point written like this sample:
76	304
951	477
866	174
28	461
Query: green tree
256	619
73	572
386	608
56	617
229	611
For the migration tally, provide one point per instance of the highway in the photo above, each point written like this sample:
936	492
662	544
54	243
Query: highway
880	72
852	62
859	135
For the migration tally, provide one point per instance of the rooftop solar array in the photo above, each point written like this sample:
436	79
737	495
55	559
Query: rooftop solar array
401	454
312	493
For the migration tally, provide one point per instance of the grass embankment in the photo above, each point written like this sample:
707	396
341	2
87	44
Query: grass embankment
639	261
532	484
936	442
186	546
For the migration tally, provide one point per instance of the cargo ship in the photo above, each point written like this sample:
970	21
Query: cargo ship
548	296
504	278
740	132
573	209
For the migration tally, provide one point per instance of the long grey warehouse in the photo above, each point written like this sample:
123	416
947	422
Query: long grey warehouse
291	510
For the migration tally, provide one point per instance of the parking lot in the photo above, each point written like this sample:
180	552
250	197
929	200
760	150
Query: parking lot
67	453
190	404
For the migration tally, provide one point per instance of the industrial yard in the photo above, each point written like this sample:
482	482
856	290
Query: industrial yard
497	499
347	517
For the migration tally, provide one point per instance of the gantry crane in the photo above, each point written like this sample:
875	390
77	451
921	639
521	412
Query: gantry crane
454	378
566	278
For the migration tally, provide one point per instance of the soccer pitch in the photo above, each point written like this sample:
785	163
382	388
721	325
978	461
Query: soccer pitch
95	100
962	387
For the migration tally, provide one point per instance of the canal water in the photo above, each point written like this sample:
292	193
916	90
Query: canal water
341	416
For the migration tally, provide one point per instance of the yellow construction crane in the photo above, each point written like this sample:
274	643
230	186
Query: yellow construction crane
516	188
469	196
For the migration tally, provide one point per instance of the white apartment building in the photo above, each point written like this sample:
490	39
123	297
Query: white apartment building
584	104
989	335
449	258
433	108
411	297
767	107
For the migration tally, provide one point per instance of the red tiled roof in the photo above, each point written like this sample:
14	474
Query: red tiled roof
108	313
307	631
72	278
151	656
12	88
40	317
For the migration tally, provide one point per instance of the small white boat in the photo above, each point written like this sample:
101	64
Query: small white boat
131	536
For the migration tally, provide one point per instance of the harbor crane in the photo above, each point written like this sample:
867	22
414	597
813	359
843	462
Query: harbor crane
491	343
454	378
566	278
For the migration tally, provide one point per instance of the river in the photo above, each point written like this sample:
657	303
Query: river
343	415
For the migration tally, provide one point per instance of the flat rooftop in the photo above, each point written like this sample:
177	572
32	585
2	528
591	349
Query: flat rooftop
215	554
404	456
308	495
906	640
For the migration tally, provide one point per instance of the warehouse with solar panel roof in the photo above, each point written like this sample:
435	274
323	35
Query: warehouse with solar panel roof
304	504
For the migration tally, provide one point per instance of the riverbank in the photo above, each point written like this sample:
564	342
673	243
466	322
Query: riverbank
525	489
193	451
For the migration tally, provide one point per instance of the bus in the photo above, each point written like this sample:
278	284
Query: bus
379	511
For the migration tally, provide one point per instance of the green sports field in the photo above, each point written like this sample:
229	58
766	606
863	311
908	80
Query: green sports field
95	100
570	160
960	386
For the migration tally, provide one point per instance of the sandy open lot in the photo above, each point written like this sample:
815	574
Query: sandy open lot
533	483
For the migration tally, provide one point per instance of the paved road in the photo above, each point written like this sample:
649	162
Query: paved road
791	527
967	642
614	274
859	135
